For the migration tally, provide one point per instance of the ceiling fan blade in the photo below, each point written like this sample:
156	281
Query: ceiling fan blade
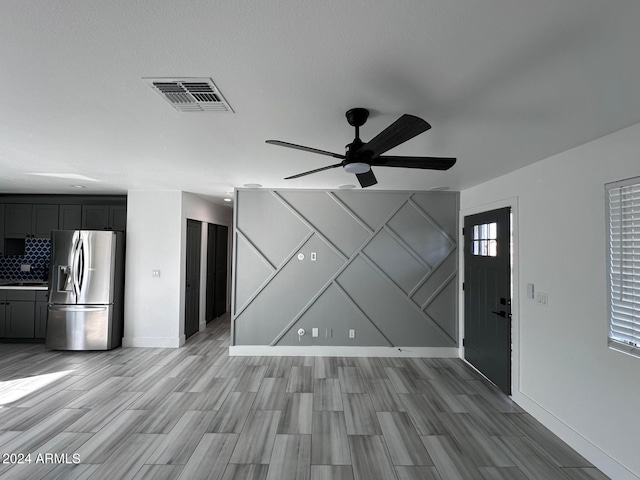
306	149
366	179
313	171
428	163
403	129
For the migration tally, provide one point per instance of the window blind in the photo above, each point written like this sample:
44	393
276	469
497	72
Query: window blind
623	199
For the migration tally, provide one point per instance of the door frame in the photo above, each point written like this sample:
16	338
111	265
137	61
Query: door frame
511	202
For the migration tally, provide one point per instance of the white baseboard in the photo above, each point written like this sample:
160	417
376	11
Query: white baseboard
341	351
603	461
153	342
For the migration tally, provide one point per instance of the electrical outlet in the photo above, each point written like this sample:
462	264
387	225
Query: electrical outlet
155	273
314	257
352	333
25	268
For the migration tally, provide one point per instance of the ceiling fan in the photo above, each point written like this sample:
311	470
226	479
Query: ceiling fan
360	157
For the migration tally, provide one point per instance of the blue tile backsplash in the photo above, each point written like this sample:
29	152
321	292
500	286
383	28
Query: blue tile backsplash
37	253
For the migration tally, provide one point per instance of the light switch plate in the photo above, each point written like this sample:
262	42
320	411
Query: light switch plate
542	299
155	273
530	291
314	332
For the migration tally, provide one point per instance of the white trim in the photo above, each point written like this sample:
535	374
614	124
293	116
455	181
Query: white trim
342	351
153	342
515	300
599	458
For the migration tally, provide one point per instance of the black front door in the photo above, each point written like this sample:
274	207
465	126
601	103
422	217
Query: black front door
487	295
192	284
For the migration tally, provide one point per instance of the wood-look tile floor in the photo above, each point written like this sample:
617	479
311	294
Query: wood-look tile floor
196	413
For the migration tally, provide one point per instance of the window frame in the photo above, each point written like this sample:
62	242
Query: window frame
616	343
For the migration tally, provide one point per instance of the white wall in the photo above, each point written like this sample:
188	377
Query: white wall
154	237
568	377
156	240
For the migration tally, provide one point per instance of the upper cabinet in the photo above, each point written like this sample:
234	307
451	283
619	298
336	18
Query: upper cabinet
17	220
104	217
118	217
44	218
22	220
1	228
37	215
70	217
95	217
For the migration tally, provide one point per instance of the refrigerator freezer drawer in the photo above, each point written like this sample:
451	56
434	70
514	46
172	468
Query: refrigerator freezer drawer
80	328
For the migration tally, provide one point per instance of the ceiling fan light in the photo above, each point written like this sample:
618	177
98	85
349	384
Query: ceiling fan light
357	167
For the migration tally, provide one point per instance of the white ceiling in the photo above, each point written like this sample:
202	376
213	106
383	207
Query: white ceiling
503	83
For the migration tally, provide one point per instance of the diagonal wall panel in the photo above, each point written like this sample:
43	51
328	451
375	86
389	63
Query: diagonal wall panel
289	291
372	209
255	270
389	309
273	229
329	218
336	315
385	265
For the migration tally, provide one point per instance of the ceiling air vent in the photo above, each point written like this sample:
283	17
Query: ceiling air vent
191	94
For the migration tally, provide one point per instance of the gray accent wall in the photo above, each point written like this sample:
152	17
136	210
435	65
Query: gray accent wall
386	266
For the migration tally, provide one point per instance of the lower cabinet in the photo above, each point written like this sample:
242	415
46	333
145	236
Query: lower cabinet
41	314
23	314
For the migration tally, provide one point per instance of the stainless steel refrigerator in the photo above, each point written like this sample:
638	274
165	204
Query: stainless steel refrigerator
86	290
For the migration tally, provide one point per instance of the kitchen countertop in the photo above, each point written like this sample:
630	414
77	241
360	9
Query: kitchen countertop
15	285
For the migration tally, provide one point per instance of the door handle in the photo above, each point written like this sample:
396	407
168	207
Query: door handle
501	313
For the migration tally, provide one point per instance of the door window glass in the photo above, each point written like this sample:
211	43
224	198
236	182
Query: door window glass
484	241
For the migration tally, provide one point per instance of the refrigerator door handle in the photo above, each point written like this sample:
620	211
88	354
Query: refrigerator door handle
76	267
77	308
82	264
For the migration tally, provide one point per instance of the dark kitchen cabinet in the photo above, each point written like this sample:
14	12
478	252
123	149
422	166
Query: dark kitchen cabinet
118	217
44	218
19	314
23	219
104	217
70	217
40	327
95	217
17	220
23	216
1	229
3	300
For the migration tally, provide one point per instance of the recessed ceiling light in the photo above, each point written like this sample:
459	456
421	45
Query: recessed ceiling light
226	199
438	189
79	186
346	186
252	185
68	176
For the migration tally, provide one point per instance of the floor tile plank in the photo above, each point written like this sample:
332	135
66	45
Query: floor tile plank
297	414
371	459
291	459
329	442
360	416
210	458
402	440
256	440
327	394
331	472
